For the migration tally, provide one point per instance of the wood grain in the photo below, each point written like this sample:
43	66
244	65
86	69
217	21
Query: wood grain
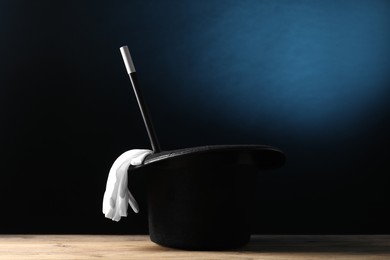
268	247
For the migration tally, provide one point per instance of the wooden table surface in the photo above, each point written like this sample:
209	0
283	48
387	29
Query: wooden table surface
269	247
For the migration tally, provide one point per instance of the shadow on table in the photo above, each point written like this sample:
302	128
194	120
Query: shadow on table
371	244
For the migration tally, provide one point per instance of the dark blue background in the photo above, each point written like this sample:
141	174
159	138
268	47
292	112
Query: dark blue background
309	77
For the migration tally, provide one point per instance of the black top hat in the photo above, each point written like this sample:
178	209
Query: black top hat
199	198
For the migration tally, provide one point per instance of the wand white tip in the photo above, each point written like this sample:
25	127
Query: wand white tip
127	59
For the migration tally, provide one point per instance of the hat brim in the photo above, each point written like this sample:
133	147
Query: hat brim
259	156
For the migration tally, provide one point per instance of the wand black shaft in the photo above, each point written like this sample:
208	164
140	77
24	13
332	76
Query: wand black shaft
145	114
141	103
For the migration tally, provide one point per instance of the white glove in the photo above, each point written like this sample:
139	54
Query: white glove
117	194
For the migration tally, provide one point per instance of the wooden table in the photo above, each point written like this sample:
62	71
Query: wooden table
114	247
